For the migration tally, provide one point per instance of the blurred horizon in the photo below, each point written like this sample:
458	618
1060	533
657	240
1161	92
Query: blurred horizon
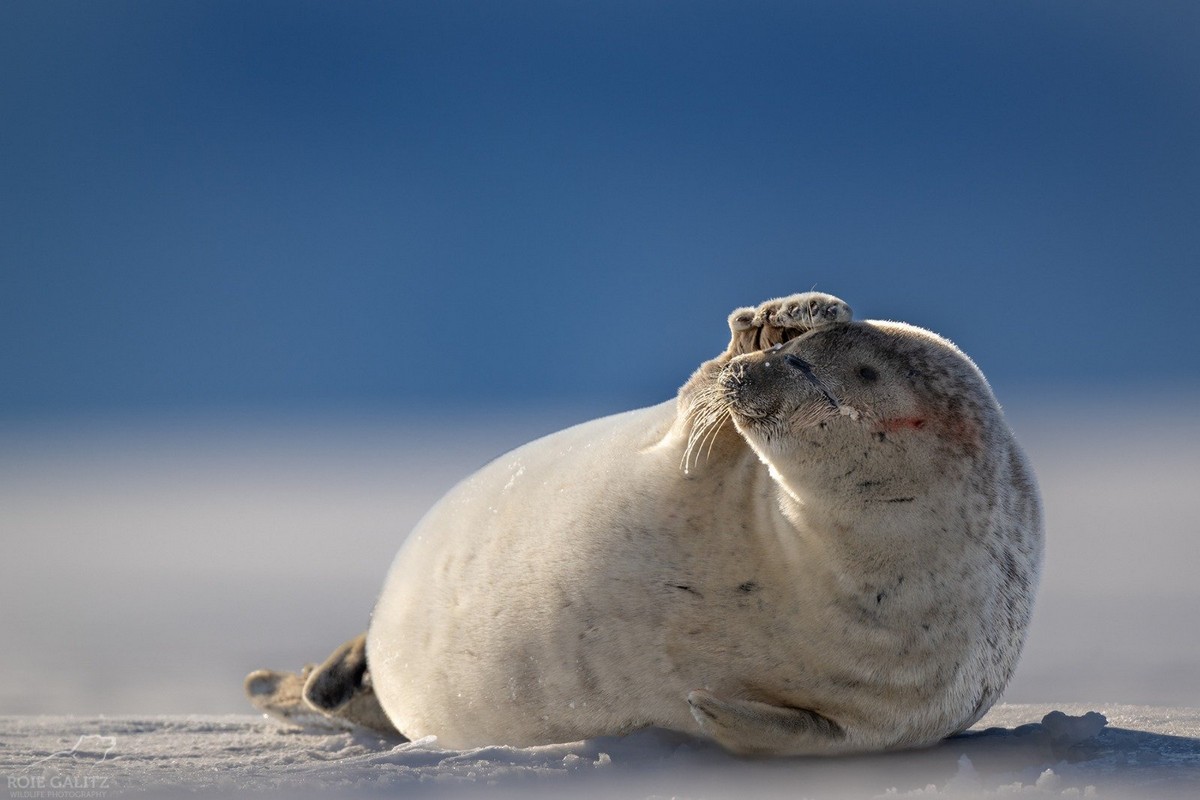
303	207
154	567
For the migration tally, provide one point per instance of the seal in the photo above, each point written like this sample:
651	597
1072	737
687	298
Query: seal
828	542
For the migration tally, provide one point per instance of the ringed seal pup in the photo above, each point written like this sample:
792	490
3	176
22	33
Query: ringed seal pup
828	542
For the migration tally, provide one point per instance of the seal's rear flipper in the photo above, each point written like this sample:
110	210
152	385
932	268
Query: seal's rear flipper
341	688
337	695
748	727
281	695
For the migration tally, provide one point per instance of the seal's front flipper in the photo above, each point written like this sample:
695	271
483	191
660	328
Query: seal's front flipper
780	320
752	329
341	688
748	727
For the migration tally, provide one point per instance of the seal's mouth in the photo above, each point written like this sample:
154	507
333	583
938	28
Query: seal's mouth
806	370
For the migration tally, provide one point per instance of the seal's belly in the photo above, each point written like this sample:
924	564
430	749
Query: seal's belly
505	606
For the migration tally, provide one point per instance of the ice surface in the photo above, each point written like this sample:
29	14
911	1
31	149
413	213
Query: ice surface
233	755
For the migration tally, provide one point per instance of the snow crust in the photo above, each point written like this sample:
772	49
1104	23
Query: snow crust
1016	751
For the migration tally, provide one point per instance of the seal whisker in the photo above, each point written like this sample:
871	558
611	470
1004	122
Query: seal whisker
722	418
706	416
695	439
714	428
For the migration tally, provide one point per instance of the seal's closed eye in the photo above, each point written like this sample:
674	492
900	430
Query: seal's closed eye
807	370
799	363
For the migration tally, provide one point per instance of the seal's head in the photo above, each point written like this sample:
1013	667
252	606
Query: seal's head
875	412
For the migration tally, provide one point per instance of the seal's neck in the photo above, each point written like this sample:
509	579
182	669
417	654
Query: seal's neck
884	535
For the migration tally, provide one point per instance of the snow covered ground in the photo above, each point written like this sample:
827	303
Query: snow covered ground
149	567
1145	752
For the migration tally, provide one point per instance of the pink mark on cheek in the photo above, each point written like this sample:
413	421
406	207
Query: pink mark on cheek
951	428
901	424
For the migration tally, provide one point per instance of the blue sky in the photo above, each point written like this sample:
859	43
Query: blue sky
342	206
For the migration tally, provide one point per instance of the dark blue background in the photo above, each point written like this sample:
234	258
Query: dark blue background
342	206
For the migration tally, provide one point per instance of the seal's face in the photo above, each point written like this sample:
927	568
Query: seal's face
874	411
